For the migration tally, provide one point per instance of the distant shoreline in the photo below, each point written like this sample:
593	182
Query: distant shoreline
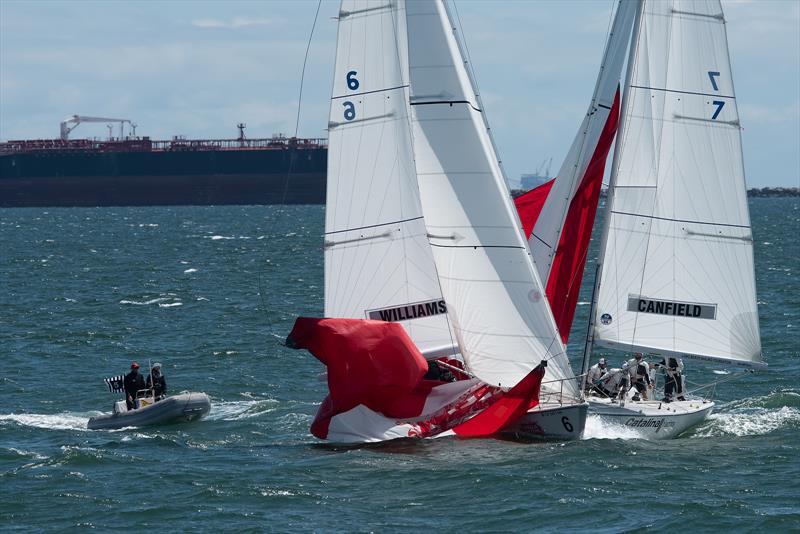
755	192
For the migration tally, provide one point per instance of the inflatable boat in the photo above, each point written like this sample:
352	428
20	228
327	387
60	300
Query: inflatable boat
186	406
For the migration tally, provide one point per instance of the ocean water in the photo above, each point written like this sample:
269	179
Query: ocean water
211	292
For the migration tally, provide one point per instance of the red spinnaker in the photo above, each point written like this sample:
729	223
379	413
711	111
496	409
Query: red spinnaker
529	206
373	363
507	410
564	282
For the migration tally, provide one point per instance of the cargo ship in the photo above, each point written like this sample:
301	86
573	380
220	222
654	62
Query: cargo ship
139	171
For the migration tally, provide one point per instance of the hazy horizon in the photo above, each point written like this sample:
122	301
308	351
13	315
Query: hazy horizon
197	69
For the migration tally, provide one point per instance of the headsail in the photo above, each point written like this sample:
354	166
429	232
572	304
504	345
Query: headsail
559	240
677	272
378	263
495	300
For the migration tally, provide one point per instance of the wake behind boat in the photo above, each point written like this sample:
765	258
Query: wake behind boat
184	407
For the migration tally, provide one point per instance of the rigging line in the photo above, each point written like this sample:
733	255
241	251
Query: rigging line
581	159
350	95
665	90
409	119
656	193
374	225
678	220
292	150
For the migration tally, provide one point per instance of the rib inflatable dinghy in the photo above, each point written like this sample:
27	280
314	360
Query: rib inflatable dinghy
186	406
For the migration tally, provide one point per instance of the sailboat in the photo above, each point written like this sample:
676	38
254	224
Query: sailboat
421	232
675	278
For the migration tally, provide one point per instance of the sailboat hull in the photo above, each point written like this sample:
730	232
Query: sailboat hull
652	419
551	421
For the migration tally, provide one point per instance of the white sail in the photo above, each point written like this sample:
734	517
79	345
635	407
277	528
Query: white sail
495	301
378	263
677	272
549	225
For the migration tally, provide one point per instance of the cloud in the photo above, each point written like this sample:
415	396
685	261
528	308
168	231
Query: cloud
232	23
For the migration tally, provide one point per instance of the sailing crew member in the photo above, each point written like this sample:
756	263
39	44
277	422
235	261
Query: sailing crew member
156	382
594	376
673	369
614	382
133	383
640	375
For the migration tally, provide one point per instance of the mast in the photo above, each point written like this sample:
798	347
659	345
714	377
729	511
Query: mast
634	46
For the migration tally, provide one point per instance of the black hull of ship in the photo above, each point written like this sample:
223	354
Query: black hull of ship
163	179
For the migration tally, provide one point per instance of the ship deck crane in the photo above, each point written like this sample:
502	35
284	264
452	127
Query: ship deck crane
75	120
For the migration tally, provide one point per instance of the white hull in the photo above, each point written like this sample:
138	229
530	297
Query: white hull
186	406
551	421
652	419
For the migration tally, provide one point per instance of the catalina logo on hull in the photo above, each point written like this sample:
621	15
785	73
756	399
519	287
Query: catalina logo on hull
407	312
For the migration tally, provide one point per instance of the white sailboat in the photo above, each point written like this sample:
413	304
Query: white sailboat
676	275
420	228
496	305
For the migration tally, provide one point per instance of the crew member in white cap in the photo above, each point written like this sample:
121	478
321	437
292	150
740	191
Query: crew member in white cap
595	374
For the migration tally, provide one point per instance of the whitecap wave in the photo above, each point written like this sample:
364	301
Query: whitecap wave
58	421
144	302
754	416
169	304
235	410
187	271
752	423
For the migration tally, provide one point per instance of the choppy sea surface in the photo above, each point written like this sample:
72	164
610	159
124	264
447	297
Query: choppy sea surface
210	292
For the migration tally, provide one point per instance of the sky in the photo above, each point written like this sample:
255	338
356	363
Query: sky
196	68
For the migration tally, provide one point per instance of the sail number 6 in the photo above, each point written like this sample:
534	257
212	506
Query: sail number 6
352	82
349	110
567	425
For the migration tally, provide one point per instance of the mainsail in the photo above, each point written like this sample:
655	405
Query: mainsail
677	267
378	263
496	303
561	226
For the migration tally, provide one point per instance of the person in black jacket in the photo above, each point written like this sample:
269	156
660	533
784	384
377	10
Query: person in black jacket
133	383
156	382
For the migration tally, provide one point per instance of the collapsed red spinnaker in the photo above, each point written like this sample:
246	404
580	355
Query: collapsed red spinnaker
377	390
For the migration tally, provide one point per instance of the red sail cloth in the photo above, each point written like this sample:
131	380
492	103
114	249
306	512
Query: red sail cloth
507	410
373	363
564	282
530	204
376	364
566	273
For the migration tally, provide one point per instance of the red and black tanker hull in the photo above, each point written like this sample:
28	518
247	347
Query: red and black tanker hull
49	178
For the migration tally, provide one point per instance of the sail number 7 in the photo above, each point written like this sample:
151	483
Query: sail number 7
720	104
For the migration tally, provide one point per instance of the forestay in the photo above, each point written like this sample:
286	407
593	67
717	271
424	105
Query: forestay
550	223
559	242
378	263
677	272
495	300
